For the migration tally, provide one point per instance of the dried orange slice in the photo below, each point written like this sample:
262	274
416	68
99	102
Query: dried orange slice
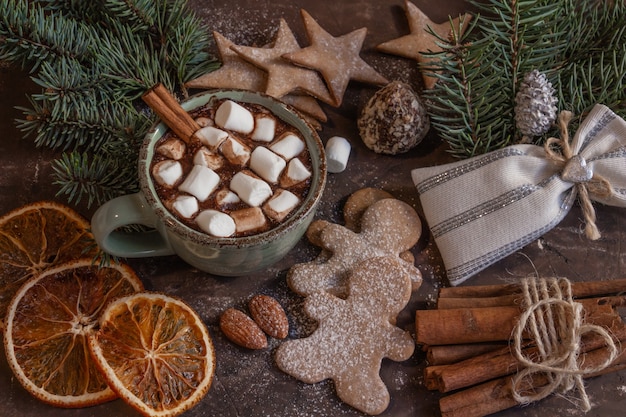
36	237
155	352
47	325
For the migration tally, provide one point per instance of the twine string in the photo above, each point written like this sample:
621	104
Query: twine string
555	322
596	186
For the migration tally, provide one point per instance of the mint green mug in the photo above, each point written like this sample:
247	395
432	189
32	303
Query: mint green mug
233	256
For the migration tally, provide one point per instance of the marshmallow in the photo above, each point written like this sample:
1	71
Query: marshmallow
251	189
172	148
296	172
236	152
266	164
204	121
225	197
280	205
185	205
288	146
167	172
200	182
205	157
211	136
233	116
249	219
337	153
265	128
216	223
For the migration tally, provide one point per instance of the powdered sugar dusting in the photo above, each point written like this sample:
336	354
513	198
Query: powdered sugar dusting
389	227
354	335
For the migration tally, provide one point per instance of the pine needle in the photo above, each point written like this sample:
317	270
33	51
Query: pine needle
580	46
92	61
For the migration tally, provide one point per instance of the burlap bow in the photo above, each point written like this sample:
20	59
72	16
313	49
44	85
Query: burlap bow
482	209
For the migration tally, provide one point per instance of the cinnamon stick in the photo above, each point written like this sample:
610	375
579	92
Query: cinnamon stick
448	354
509	294
472	371
467	317
479	401
497	395
476	291
464	325
473	302
171	112
501	362
492	324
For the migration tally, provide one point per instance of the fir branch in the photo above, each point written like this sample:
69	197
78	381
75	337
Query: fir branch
139	15
129	62
68	81
581	85
28	36
169	14
98	177
458	105
81	10
93	60
81	124
579	46
189	56
180	39
594	70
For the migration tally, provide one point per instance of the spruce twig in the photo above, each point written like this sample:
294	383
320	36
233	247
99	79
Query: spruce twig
98	177
93	60
29	36
580	46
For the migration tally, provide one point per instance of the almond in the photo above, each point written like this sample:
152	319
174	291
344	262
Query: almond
269	315
240	329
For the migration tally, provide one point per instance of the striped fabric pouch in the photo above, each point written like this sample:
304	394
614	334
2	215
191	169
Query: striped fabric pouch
482	209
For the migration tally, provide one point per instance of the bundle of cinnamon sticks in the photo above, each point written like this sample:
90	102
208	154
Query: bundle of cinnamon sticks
467	341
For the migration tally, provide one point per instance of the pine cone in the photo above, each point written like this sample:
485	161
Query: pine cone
535	105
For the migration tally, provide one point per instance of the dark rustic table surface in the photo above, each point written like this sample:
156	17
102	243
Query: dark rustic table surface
248	383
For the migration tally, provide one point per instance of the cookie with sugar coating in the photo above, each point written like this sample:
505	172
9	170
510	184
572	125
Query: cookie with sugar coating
388	227
354	335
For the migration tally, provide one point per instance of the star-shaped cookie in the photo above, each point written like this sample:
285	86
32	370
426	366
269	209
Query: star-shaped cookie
234	72
282	76
420	40
336	58
307	105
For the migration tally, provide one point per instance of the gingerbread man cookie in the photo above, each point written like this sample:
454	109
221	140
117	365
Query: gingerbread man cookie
358	202
388	227
353	210
354	335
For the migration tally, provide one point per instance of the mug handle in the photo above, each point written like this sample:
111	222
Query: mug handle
123	211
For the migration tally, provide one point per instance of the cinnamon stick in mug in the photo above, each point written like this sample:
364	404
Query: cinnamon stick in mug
163	103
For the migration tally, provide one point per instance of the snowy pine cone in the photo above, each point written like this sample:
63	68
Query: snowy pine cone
535	105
